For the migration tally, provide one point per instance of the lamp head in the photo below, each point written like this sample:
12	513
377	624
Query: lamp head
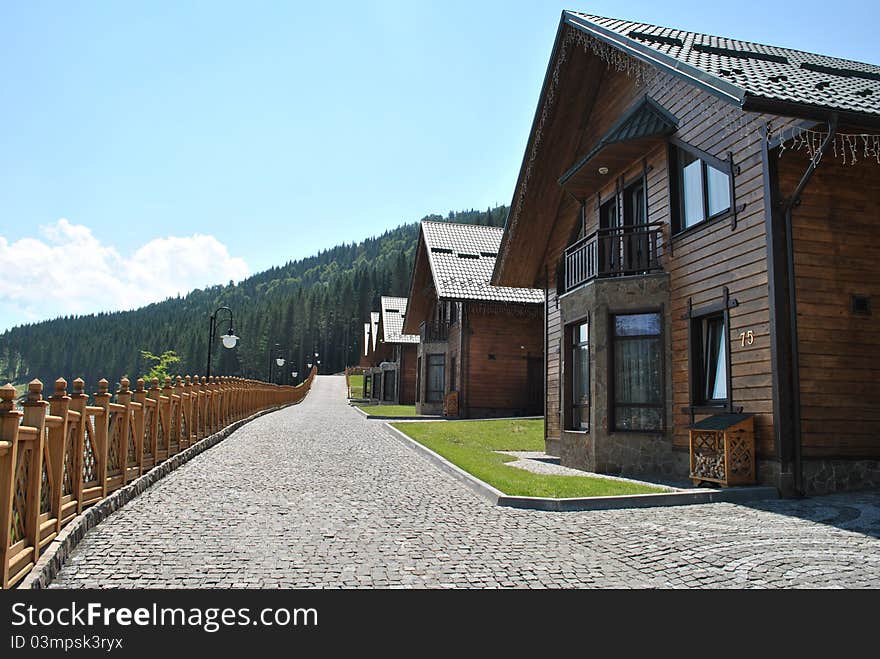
229	339
280	361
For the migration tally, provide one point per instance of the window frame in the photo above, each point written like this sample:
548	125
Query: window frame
611	379
571	350
676	198
696	367
428	390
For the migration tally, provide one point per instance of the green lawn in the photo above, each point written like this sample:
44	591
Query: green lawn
472	444
356	382
389	410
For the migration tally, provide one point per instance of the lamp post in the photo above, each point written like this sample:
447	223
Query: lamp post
293	375
229	339
317	361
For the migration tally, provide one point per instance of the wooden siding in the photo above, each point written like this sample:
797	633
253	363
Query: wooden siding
552	364
500	382
408	363
837	254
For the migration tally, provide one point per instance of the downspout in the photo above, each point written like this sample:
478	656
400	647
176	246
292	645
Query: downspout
787	206
465	350
546	343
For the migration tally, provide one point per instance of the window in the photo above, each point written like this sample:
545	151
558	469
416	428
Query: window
436	379
701	191
709	360
579	376
637	373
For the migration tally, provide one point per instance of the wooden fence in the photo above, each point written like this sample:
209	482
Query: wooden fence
349	371
61	455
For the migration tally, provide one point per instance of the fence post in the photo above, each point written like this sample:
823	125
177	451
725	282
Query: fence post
78	400
35	409
172	437
161	423
180	419
59	404
102	431
197	407
140	397
204	402
9	422
188	410
123	397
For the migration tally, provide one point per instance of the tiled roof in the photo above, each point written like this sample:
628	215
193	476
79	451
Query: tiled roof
393	313
742	69
462	257
374	326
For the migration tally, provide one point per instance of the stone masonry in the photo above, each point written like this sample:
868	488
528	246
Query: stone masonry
315	495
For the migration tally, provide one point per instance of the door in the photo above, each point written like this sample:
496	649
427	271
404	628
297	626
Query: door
389	387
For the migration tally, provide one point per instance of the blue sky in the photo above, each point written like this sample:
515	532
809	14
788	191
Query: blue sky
189	143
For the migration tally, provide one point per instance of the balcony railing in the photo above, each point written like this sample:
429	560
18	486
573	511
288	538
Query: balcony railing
434	330
627	250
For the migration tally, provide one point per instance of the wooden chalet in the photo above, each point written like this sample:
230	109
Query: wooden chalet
480	351
703	215
390	355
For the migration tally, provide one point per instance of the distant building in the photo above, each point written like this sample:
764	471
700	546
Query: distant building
480	350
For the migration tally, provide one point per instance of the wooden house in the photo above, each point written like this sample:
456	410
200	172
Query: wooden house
399	369
389	355
703	215
480	351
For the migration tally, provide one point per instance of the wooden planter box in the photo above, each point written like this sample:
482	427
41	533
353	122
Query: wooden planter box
723	450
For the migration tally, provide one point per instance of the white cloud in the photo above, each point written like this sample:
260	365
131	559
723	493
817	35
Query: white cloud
69	271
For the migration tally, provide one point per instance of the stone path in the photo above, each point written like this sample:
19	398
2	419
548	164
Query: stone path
317	496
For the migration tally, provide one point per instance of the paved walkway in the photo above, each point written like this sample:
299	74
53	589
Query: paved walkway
317	496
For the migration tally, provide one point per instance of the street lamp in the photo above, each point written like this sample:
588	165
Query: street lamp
279	361
294	374
229	339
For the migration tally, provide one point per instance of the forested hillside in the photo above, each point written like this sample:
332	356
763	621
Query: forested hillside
314	304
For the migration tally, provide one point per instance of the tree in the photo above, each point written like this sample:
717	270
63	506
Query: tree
160	367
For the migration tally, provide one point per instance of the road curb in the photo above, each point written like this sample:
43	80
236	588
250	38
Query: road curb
52	560
675	498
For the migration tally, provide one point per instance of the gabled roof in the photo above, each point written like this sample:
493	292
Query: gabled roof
366	339
462	258
752	75
393	313
374	326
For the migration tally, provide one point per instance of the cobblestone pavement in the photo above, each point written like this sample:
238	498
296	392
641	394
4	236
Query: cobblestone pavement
317	496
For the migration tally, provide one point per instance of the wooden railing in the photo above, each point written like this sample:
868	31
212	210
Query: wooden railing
61	455
627	250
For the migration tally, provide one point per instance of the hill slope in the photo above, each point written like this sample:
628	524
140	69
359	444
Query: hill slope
314	304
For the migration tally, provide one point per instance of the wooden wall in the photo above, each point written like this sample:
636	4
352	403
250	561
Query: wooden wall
501	382
408	365
836	231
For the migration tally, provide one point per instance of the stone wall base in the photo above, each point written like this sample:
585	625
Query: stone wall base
553	446
826	476
631	455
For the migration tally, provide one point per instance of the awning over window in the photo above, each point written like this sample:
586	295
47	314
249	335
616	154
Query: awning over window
646	124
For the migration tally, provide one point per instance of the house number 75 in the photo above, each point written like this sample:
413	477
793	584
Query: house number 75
747	338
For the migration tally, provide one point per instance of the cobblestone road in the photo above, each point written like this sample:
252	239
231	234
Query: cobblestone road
317	496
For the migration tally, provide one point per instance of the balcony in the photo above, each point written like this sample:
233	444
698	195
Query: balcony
621	251
434	330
